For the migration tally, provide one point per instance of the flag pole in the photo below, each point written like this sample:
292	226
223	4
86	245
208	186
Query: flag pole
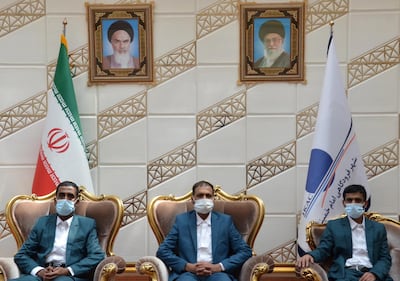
331	23
65	26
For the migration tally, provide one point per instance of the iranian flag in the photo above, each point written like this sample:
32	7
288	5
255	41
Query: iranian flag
62	153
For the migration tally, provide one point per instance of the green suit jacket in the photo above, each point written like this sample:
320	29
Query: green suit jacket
336	243
83	251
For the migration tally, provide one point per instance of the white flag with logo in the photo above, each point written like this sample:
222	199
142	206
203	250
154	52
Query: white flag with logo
335	160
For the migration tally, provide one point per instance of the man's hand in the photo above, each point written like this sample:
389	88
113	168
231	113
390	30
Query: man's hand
305	261
52	272
368	276
203	268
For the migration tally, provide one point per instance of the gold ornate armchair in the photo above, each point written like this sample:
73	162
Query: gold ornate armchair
22	212
318	272
247	213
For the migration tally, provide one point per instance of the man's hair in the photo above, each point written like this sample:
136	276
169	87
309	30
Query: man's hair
271	26
202	183
120	25
355	188
68	183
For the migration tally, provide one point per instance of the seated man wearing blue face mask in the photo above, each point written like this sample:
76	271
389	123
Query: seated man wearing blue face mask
203	245
357	245
62	246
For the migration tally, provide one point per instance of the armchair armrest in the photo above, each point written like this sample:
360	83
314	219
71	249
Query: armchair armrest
314	272
256	266
8	269
108	268
153	267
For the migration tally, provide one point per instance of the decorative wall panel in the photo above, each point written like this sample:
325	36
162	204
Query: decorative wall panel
122	114
271	164
21	14
172	164
216	16
221	114
374	62
22	115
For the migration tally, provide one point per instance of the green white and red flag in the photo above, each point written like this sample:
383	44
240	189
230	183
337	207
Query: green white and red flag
62	153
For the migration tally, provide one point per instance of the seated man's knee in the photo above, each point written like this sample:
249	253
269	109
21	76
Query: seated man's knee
219	276
187	276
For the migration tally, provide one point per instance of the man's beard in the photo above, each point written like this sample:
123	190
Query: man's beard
122	59
273	54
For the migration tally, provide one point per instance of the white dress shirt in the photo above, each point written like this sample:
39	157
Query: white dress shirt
360	251
204	250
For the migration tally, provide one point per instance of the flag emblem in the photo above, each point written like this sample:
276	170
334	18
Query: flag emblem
58	140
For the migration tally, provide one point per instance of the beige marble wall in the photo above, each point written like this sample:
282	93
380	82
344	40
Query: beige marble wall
196	121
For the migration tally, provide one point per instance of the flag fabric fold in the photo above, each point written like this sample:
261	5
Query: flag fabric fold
335	160
62	152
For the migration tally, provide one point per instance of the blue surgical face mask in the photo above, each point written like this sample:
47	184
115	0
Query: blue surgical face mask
354	210
65	207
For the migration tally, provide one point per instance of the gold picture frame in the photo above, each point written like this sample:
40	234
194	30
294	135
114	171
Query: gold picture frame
120	43
272	42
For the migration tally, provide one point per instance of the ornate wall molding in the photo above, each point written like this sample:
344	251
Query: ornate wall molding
382	159
286	253
216	16
221	114
21	14
172	164
4	228
374	62
322	12
122	115
23	114
175	62
135	207
306	120
271	164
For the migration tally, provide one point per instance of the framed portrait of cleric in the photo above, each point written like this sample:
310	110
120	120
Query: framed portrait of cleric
120	43
271	42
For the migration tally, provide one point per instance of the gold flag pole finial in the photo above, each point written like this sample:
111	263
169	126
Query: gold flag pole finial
65	26
331	23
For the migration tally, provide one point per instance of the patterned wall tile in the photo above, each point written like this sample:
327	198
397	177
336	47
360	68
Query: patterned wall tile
286	253
21	14
175	62
306	120
216	16
221	114
322	12
382	159
271	164
374	62
122	114
134	208
172	164
23	114
4	228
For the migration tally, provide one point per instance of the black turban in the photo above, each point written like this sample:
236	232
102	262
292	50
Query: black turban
120	25
272	26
